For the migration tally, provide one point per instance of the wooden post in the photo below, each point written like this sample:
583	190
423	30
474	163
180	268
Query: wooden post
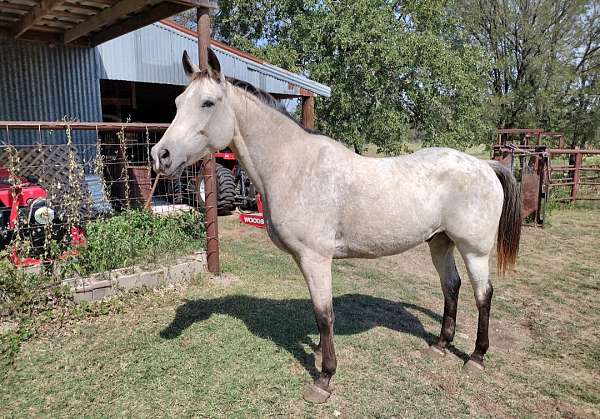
576	175
308	111
210	179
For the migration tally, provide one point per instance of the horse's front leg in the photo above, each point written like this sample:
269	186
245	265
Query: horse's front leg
317	273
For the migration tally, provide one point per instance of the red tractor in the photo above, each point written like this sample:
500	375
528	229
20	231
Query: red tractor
27	216
234	190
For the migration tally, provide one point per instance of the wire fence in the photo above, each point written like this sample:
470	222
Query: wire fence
85	194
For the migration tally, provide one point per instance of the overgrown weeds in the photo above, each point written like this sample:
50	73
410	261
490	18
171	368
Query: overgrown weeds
136	236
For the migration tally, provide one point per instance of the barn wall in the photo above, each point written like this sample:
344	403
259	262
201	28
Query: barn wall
48	84
39	83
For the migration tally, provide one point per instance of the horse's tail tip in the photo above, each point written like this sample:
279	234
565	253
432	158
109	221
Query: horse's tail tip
509	228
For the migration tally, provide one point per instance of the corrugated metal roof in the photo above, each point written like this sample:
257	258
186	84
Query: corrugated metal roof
153	54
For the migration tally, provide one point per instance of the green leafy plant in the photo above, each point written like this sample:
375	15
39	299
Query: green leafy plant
136	236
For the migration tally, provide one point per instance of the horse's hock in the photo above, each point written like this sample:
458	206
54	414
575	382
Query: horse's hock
106	284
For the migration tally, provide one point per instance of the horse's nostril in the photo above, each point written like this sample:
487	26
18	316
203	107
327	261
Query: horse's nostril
164	157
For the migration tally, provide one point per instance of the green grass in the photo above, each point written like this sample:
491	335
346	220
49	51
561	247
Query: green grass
242	347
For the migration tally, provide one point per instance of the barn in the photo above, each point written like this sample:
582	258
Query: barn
133	77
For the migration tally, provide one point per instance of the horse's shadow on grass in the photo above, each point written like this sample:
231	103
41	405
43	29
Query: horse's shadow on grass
288	323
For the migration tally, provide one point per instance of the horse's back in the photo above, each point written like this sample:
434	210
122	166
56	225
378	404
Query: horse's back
396	203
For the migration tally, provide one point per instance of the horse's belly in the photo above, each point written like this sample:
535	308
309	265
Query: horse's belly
371	242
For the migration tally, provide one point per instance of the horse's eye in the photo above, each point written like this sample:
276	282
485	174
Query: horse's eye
208	104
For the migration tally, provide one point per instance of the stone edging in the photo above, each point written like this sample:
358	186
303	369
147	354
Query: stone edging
105	284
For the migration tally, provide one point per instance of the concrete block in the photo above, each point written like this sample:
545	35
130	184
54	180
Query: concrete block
78	297
196	268
152	279
71	282
118	273
183	271
101	285
100	293
105	283
126	278
201	257
127	282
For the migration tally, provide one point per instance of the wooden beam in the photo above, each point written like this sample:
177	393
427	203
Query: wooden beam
13	7
34	16
81	9
106	17
152	15
203	4
308	112
55	23
46	35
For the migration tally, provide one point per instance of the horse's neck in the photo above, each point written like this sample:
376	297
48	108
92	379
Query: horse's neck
263	140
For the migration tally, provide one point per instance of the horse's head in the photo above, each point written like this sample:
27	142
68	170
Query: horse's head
204	122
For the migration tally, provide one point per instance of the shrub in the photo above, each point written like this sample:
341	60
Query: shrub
136	236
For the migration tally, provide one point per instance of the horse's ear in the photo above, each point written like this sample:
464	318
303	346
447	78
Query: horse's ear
188	66
214	65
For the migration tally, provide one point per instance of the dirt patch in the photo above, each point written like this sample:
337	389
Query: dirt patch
552	407
509	337
223	280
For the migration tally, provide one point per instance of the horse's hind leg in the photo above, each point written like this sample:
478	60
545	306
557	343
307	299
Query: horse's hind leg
317	273
442	255
478	270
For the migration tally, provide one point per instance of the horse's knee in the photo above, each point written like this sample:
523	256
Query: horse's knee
483	297
325	318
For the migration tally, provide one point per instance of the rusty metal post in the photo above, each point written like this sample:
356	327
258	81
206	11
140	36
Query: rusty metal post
210	179
308	111
576	175
544	177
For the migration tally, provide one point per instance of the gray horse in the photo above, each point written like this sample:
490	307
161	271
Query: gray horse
322	201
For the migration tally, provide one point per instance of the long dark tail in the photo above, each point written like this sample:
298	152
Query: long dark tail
509	230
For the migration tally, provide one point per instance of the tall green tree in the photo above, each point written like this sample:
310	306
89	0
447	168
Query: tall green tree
546	62
398	70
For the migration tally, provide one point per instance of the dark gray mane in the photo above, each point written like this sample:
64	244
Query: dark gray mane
268	100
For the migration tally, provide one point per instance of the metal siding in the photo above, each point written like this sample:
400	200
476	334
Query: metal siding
48	84
153	54
39	83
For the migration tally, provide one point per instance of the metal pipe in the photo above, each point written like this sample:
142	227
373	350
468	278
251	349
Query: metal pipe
84	126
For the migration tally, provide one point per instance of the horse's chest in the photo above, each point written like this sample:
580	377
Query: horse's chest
276	237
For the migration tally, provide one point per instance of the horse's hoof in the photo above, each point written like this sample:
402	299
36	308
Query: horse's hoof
316	394
473	368
435	352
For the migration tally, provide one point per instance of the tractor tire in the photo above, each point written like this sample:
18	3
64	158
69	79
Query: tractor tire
246	192
225	190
